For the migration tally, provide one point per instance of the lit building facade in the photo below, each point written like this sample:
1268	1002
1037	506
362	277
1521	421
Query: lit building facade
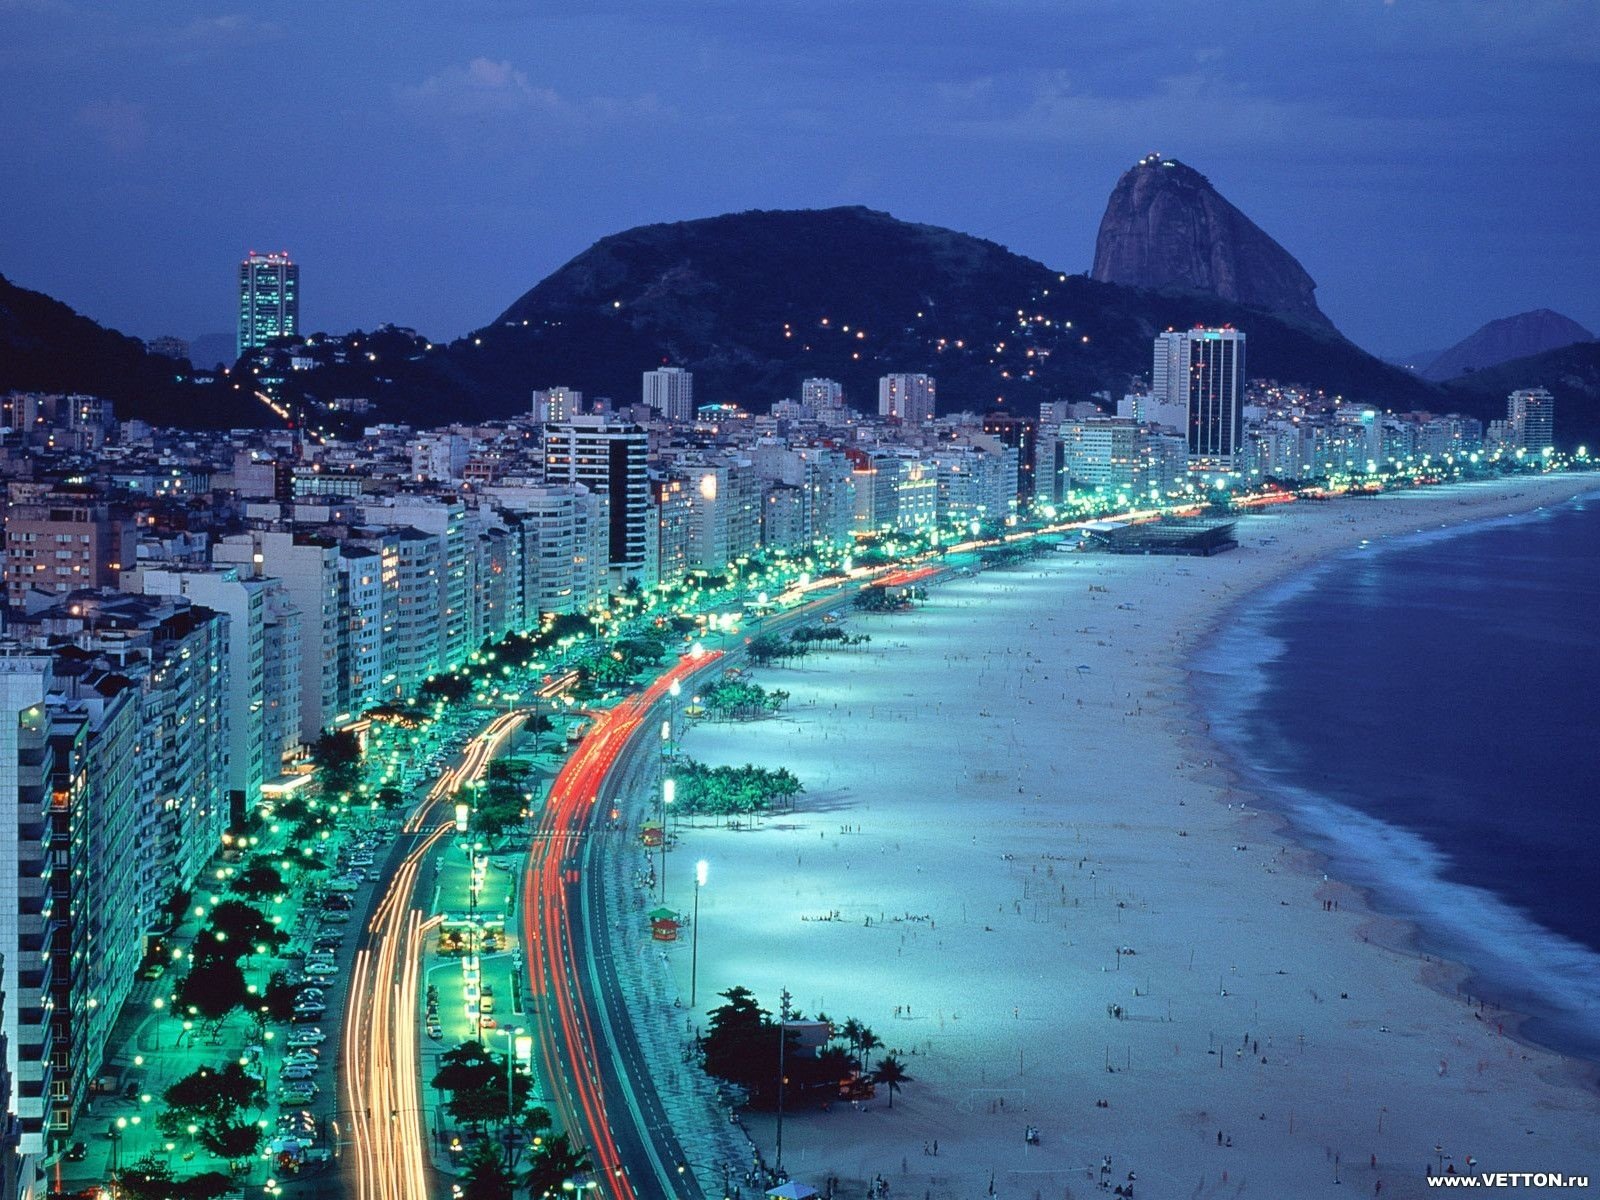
269	299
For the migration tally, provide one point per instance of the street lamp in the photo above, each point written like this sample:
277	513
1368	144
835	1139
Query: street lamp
694	954
669	793
514	1036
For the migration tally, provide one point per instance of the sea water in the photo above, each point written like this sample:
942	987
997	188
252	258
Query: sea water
1426	710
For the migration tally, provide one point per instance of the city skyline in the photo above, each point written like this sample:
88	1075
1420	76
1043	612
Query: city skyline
1444	191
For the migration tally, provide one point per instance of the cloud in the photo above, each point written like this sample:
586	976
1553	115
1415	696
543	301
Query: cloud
119	126
205	37
488	89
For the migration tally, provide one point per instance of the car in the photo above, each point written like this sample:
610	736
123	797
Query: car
315	1012
487	1022
77	1152
298	1072
321	969
318	954
132	1089
302	1054
154	971
328	943
299	1092
338	916
307	1037
309	995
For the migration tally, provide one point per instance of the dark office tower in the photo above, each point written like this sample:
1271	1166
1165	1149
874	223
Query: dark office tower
269	299
1203	370
1022	435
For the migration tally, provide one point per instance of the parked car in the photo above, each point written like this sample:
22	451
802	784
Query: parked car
298	1092
321	969
154	971
307	1037
305	1056
298	1072
338	916
77	1152
309	1013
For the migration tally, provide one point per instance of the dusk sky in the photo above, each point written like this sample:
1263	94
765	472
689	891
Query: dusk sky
1432	165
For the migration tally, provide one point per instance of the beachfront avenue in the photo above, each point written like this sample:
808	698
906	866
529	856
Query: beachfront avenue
379	1126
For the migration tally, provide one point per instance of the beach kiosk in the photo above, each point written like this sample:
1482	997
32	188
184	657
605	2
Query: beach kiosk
663	924
792	1191
652	834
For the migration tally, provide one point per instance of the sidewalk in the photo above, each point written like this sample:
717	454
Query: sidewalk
715	1149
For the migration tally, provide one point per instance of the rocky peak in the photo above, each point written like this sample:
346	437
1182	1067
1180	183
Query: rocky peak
1166	227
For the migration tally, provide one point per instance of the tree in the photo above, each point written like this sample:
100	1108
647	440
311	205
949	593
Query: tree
236	929
337	755
446	687
765	648
485	1176
259	880
151	1179
232	1140
476	1081
891	1073
212	989
868	1042
552	1164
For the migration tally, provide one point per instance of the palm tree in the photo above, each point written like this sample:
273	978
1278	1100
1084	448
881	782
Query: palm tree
851	1032
553	1164
868	1041
891	1073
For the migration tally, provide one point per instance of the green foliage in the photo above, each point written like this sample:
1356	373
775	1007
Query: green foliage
484	1176
726	791
446	687
476	1081
259	880
891	1073
212	989
232	1141
211	1100
740	700
765	648
152	1179
741	1046
552	1164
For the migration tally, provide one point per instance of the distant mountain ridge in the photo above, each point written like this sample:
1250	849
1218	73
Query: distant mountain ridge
1167	228
1520	336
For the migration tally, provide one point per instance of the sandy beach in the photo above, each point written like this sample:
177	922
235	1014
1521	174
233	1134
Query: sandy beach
1021	862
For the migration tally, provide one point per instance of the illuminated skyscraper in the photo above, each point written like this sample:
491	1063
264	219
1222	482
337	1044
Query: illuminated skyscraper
269	299
1530	414
1202	372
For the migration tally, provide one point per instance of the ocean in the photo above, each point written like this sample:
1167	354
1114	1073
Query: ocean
1426	711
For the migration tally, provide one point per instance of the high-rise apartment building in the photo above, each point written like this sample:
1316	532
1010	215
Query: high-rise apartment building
608	458
908	399
1530	420
556	404
269	299
27	933
821	397
1022	435
58	542
1203	370
670	391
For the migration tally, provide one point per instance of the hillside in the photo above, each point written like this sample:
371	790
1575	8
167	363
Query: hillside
1571	373
45	346
1510	338
755	302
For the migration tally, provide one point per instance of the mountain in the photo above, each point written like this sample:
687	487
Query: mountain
1166	228
755	302
47	347
1571	373
1521	336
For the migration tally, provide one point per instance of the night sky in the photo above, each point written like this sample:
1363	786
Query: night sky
1432	165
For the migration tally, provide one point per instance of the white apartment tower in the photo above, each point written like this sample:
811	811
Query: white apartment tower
670	391
1530	417
908	399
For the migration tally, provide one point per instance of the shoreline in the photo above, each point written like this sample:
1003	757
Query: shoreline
1397	933
996	779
